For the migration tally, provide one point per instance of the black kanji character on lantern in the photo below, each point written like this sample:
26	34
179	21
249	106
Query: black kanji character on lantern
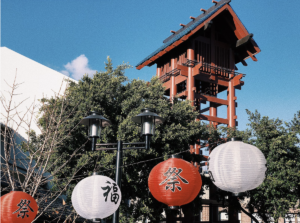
173	175
114	197
108	189
23	208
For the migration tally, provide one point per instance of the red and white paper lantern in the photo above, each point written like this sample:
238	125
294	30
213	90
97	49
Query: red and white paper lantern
18	206
174	182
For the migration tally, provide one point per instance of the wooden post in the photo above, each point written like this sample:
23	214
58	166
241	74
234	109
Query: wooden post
190	85
233	215
173	90
158	71
213	112
231	96
212	106
190	79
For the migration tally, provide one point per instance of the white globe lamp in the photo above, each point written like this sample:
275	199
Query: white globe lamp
96	197
236	166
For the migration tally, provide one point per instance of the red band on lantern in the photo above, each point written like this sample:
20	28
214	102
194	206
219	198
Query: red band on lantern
18	206
174	182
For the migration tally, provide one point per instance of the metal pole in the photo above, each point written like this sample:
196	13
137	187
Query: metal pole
93	143
118	175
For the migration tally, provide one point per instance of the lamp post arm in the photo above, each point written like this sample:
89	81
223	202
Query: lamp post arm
143	145
247	213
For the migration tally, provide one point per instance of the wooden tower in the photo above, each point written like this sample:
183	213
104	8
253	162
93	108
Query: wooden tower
197	62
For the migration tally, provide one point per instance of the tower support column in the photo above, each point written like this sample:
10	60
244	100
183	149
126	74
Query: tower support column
190	79
173	91
231	95
158	71
213	112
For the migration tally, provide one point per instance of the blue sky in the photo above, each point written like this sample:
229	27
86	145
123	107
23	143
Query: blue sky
75	36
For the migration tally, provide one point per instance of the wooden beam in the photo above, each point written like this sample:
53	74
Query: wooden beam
213	119
238	24
175	44
211	99
172	31
237	80
206	78
178	80
182	25
242	60
252	56
183	70
203	10
255	46
184	38
204	110
193	18
155	57
139	67
196	68
169	48
182	94
160	53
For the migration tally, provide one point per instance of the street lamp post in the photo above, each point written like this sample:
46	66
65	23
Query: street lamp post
95	122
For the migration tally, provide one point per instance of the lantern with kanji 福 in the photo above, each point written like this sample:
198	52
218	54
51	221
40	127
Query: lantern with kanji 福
18	206
96	197
174	182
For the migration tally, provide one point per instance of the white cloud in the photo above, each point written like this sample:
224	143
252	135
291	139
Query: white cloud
78	67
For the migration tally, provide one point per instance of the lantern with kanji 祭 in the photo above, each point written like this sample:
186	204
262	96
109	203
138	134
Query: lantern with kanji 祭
18	206
174	182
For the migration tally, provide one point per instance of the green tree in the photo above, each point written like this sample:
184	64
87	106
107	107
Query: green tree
118	99
279	143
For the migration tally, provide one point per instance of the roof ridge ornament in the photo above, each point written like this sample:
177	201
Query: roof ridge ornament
203	10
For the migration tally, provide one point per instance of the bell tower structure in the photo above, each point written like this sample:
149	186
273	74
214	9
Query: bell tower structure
197	62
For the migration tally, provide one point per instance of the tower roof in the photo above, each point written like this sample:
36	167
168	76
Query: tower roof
242	37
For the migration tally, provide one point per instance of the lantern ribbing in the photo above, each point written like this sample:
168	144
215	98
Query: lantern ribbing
237	167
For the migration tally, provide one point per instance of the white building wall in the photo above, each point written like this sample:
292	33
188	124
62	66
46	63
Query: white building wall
37	80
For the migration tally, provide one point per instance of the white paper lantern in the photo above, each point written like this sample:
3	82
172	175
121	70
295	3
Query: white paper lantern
237	167
96	197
